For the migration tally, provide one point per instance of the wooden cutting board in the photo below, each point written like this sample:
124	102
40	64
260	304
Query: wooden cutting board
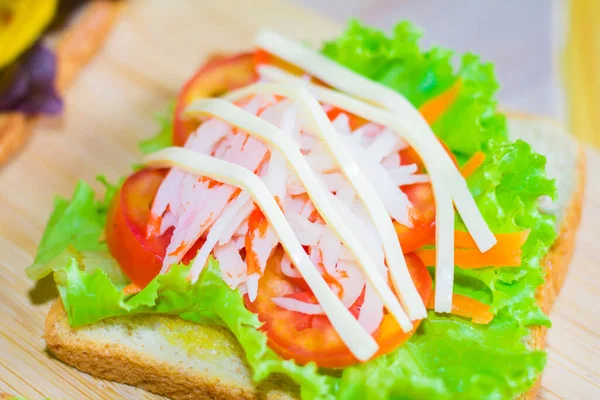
155	47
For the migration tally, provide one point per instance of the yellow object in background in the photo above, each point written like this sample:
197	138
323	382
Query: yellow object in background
21	23
582	69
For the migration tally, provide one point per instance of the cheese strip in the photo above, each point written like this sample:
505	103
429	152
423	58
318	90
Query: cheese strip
269	133
357	85
444	272
366	192
359	342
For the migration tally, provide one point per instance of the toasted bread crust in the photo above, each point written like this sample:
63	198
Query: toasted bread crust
79	45
125	366
81	42
556	262
14	131
121	364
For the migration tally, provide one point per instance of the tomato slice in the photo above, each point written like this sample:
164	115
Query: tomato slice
220	74
421	196
306	338
423	218
139	257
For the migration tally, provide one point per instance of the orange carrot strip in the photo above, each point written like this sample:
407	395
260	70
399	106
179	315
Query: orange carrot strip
465	306
507	242
472	165
132	288
473	258
434	108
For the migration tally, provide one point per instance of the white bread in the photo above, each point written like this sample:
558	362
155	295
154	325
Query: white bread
182	360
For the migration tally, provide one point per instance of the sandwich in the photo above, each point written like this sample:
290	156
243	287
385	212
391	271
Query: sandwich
44	45
353	221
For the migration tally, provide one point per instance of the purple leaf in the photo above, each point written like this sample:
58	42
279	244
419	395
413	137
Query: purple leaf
42	102
41	65
31	87
17	86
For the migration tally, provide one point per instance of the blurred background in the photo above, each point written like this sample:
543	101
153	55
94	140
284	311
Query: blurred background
546	52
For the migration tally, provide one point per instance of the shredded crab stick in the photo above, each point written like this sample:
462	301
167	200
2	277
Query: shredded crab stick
357	85
444	216
423	140
319	195
365	191
359	342
218	228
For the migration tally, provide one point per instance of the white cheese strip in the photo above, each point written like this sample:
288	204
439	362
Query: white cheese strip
441	186
357	85
359	342
338	151
317	193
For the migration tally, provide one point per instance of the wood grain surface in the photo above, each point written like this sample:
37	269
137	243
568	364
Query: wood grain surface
154	47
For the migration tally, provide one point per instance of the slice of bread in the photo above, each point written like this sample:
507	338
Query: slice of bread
566	163
181	360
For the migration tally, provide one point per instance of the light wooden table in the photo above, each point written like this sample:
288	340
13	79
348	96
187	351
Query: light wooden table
151	52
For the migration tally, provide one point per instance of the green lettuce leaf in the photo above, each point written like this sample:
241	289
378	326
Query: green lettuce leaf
164	137
448	357
90	285
506	189
90	297
399	63
78	223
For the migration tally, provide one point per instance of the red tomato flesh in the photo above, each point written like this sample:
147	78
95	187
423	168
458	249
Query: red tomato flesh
139	257
306	338
422	216
218	75
292	335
